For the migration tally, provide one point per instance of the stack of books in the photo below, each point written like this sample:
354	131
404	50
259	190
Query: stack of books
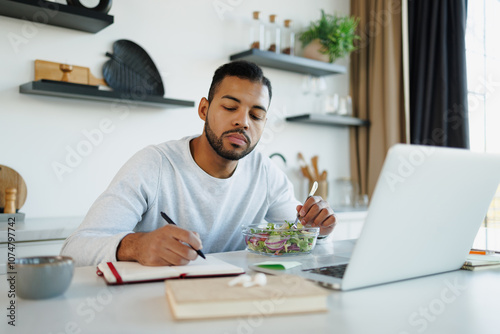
478	262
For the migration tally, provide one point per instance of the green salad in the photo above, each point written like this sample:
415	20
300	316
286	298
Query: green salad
276	239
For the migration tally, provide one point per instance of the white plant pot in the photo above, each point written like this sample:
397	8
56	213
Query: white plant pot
311	51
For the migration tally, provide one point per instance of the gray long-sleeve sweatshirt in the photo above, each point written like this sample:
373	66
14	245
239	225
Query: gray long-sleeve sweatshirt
166	178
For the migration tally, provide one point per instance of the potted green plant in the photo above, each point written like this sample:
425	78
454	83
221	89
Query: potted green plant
332	36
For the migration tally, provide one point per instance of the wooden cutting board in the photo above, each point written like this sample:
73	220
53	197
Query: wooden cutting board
66	73
9	178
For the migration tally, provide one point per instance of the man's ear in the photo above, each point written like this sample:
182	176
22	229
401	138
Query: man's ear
203	108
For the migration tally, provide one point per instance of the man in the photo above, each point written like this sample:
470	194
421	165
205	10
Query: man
210	185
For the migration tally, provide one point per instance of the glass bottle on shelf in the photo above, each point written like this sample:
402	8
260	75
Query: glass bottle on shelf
257	32
347	191
273	35
288	39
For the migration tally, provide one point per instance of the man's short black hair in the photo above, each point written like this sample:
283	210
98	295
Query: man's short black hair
242	69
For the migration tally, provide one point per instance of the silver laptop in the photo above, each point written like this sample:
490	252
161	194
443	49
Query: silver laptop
425	212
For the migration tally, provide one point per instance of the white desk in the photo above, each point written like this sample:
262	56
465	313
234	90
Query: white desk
424	305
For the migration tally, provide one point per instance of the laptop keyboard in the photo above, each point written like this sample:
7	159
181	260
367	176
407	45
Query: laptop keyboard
334	271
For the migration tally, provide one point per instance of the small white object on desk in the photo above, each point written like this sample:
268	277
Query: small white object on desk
248	281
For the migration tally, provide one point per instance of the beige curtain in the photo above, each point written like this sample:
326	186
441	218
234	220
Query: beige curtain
377	90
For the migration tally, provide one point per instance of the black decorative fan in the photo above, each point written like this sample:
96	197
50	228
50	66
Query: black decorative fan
131	70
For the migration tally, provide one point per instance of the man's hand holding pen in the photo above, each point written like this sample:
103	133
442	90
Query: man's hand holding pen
165	246
170	221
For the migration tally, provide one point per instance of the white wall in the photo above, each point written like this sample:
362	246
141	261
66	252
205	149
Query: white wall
187	40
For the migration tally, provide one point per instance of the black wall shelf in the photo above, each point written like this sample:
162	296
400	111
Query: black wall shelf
289	63
41	11
62	89
303	66
328	119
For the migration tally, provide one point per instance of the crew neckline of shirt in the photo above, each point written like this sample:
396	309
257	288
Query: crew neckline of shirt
190	157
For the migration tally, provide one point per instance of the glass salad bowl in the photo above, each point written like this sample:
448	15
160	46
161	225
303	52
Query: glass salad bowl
280	239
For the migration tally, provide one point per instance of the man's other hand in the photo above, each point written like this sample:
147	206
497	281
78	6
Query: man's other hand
317	212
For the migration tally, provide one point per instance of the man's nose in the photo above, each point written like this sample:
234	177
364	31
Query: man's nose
241	119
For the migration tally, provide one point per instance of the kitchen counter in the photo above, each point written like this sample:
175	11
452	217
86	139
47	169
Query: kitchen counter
38	229
34	237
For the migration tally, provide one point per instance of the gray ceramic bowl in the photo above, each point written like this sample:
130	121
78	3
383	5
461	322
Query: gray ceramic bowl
42	277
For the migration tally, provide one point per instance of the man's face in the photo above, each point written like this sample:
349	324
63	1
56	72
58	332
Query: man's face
236	117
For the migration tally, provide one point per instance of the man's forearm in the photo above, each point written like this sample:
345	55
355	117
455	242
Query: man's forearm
128	248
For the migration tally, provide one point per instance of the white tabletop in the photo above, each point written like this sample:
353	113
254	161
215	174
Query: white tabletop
454	302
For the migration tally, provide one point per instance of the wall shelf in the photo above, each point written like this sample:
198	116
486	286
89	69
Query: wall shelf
289	63
41	11
70	90
328	119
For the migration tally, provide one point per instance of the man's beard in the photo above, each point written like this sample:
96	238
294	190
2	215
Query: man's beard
218	145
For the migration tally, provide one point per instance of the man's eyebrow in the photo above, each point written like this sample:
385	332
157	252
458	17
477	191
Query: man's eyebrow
238	100
231	98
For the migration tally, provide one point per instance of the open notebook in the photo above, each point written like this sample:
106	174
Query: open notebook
123	272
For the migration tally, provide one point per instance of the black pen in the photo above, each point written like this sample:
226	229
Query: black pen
170	221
